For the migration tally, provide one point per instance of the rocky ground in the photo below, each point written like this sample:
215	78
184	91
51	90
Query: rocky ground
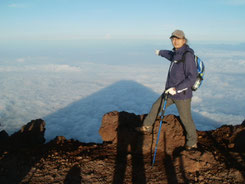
125	156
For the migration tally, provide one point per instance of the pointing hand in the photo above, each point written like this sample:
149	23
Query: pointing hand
157	52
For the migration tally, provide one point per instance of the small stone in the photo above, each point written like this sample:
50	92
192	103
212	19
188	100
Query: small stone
129	156
232	145
196	179
79	158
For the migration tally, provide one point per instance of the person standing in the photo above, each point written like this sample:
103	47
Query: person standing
181	77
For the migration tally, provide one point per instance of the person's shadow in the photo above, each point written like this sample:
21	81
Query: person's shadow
129	150
74	176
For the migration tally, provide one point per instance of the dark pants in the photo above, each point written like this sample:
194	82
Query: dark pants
184	109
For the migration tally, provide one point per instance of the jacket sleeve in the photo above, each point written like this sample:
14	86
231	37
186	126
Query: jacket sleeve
167	54
190	70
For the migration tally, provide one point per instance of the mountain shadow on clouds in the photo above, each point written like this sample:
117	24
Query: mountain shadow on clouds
203	123
81	120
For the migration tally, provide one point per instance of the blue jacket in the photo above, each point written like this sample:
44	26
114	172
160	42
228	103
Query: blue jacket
181	75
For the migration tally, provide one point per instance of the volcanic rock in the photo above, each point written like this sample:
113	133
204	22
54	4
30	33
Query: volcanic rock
119	128
3	136
125	155
30	135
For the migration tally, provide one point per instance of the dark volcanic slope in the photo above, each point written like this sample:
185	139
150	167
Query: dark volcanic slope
126	157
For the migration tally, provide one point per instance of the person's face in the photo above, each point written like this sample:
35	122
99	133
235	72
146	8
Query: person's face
178	42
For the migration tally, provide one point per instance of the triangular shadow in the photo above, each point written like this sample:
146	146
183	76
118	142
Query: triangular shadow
81	120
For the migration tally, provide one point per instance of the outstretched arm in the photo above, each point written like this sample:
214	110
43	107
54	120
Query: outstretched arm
165	53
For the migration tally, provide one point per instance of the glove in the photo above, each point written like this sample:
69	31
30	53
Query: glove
171	91
157	52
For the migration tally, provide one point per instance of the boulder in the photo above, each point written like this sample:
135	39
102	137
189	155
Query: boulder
243	123
3	136
30	134
119	129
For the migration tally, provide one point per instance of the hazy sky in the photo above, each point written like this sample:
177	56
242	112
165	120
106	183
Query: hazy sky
202	20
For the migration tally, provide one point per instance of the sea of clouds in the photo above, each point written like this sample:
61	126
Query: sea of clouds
71	88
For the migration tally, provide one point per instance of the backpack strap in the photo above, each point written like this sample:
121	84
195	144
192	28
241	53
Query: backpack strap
183	56
183	59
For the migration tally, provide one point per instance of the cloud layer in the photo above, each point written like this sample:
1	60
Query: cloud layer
73	96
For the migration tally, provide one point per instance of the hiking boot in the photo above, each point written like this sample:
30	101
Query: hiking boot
144	129
193	147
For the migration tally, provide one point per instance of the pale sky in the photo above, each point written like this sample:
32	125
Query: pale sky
201	20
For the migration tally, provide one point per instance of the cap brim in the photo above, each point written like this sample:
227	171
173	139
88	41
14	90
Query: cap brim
173	36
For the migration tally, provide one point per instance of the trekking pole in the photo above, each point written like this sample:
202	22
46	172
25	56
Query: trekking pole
159	131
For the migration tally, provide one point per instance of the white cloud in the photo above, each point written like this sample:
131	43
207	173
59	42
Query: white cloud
16	5
61	68
223	118
73	98
41	68
108	36
242	62
196	100
21	60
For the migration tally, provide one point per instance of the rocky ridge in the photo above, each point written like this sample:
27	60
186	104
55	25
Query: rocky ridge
125	155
